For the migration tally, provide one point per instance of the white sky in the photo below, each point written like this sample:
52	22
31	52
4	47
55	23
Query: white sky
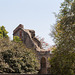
33	14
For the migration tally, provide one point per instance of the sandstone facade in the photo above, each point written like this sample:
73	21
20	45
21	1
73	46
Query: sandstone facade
29	39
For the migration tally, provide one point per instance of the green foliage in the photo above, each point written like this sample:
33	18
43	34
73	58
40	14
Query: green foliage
16	39
1	36
63	60
16	58
3	32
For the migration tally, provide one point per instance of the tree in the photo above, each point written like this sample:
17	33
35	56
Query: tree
63	60
16	58
3	32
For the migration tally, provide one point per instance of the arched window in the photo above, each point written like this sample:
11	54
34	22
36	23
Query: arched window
43	62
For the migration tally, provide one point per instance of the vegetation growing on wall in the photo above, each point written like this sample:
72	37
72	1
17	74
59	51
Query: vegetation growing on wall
16	39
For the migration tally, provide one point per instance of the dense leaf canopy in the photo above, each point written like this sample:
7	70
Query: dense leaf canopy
16	58
63	61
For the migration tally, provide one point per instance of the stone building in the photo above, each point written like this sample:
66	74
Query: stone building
29	39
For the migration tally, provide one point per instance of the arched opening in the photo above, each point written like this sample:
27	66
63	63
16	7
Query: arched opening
43	62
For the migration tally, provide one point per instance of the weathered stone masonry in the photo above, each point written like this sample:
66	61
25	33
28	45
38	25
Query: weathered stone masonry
29	39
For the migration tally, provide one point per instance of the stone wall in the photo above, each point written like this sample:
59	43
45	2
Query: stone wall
27	36
44	54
